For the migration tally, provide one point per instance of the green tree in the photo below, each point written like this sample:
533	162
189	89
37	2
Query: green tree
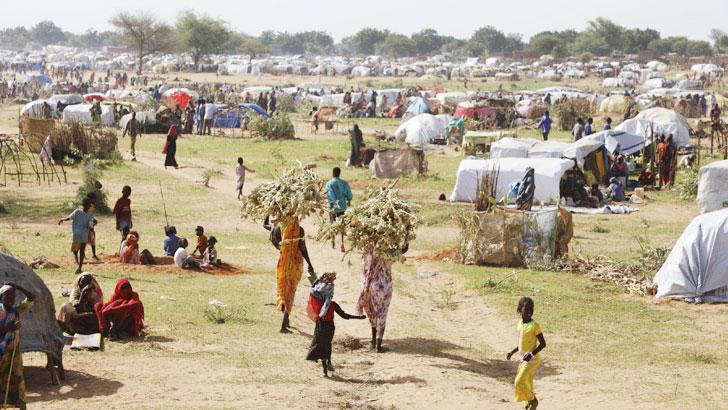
251	46
47	32
428	41
397	45
144	33
365	41
201	35
591	42
486	40
720	39
698	49
316	42
14	38
636	40
610	33
543	43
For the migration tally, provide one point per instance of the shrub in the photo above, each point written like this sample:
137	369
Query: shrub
278	127
688	185
92	174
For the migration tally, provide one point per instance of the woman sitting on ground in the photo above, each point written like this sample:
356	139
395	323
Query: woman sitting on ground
130	253
82	313
124	313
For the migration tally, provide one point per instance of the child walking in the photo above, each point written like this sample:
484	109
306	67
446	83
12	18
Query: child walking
530	343
240	173
320	309
82	219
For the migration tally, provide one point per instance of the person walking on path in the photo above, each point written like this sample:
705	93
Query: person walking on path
530	343
339	194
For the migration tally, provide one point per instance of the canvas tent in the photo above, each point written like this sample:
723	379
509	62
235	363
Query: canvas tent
628	143
81	113
713	187
697	267
389	164
662	121
511	147
548	172
420	130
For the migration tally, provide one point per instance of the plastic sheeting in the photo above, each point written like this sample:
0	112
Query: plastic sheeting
512	147
178	96
422	129
713	187
33	109
697	267
628	143
548	172
670	121
81	113
643	127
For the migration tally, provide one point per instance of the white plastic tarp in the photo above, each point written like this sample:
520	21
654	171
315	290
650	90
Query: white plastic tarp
81	113
670	121
33	109
548	172
512	147
421	129
628	142
697	266
548	149
713	187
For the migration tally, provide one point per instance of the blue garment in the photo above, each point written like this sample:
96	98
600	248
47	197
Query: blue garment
607	126
171	244
587	129
80	224
545	124
617	192
339	194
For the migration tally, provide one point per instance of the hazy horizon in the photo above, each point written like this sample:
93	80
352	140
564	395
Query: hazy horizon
342	19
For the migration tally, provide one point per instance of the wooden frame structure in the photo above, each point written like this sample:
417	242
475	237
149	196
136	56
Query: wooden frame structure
16	160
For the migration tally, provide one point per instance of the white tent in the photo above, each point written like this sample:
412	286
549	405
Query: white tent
547	149
548	172
421	129
628	143
663	121
697	267
713	187
512	147
33	109
81	113
557	149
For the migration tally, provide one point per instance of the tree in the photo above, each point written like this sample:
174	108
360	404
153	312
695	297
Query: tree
486	40
397	45
46	32
428	41
543	43
698	49
250	45
201	35
591	42
636	40
145	33
365	41
14	38
720	39
316	42
608	32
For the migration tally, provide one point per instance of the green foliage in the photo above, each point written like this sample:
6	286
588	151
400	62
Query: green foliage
208	175
688	185
397	45
201	35
600	229
92	173
650	258
278	127
366	40
219	313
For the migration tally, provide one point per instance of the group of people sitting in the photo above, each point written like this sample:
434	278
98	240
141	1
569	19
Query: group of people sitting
204	256
86	313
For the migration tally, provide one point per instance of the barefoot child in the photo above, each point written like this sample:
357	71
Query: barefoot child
122	211
321	308
530	343
209	259
82	219
201	246
240	173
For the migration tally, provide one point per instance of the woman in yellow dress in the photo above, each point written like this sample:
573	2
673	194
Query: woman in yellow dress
530	344
291	243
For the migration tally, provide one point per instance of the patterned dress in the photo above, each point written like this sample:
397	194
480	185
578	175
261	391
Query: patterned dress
290	266
376	291
11	363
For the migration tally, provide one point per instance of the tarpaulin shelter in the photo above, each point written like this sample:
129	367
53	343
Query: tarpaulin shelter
390	164
511	147
257	109
65	99
713	186
178	96
471	110
82	113
419	106
93	97
455	124
33	109
422	129
628	143
697	267
661	121
548	173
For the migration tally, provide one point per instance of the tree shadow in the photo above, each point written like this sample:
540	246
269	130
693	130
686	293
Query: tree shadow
395	380
499	369
145	338
78	385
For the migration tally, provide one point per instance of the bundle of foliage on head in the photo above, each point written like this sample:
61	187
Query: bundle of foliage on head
296	194
276	128
382	224
91	186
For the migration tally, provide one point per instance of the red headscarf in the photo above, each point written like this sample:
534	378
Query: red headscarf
124	303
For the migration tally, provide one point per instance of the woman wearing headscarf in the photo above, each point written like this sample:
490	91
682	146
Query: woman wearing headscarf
170	148
524	200
320	309
357	141
129	252
82	313
124	313
291	243
12	382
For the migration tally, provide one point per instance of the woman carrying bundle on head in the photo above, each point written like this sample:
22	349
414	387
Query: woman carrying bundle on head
320	309
12	381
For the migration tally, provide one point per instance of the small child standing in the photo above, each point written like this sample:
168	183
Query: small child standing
530	343
201	241
122	211
320	309
240	173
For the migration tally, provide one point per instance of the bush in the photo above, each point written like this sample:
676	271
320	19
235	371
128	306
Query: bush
91	175
688	185
278	127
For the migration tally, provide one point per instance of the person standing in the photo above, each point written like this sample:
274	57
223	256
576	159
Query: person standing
339	195
122	211
290	241
588	130
81	222
240	171
578	131
530	344
132	127
608	124
170	149
11	364
272	103
357	142
545	125
663	161
200	114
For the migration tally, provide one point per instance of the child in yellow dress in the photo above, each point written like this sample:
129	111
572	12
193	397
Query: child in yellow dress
530	343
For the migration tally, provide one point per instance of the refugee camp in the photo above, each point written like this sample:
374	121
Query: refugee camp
411	205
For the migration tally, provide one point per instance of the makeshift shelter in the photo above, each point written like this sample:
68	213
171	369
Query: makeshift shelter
178	96
65	99
419	106
613	104
82	113
93	97
420	130
713	187
644	127
665	121
628	143
40	331
454	131
548	173
511	147
33	109
389	164
472	110
697	267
